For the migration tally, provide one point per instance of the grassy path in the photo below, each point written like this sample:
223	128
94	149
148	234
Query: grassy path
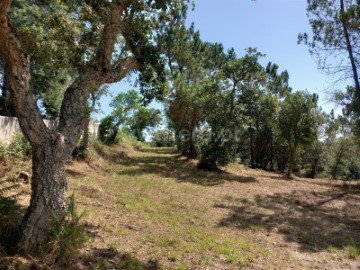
160	209
152	209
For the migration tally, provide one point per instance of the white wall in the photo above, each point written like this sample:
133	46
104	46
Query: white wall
10	125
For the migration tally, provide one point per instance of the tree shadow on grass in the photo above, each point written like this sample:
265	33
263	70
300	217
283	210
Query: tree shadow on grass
112	259
10	218
160	150
178	168
106	259
315	220
75	173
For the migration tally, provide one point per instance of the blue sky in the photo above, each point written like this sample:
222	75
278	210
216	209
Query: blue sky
272	26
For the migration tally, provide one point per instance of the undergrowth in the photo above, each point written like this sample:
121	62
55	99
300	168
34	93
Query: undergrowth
67	235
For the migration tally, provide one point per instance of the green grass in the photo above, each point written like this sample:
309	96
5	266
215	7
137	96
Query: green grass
182	227
333	249
353	250
176	220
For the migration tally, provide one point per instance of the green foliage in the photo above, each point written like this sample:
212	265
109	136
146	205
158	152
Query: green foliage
231	94
48	33
353	169
66	234
128	111
19	146
143	119
297	122
3	151
335	34
353	250
106	130
187	57
62	38
162	138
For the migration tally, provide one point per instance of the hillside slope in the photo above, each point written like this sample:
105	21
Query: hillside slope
151	209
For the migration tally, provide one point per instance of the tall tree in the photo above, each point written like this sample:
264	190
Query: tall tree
122	44
185	72
336	31
142	120
297	124
229	104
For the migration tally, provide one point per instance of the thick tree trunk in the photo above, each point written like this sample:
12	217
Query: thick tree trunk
48	196
289	170
139	135
6	107
252	161
85	138
291	162
314	167
192	149
271	154
51	149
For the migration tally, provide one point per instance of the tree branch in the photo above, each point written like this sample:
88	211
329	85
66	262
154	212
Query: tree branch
4	8
18	62
110	33
128	65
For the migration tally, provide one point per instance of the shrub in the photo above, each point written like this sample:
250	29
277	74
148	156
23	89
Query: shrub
161	138
19	146
353	171
124	136
66	234
353	250
107	130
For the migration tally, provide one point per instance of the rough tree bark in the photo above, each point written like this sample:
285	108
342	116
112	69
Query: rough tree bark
192	149
51	149
291	161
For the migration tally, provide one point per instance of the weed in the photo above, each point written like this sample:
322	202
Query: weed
206	261
244	201
66	234
254	228
258	199
19	146
130	263
332	249
181	267
353	250
3	151
173	257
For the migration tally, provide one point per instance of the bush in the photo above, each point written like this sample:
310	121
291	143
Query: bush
67	235
163	138
216	150
124	136
353	171
353	250
19	146
107	130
